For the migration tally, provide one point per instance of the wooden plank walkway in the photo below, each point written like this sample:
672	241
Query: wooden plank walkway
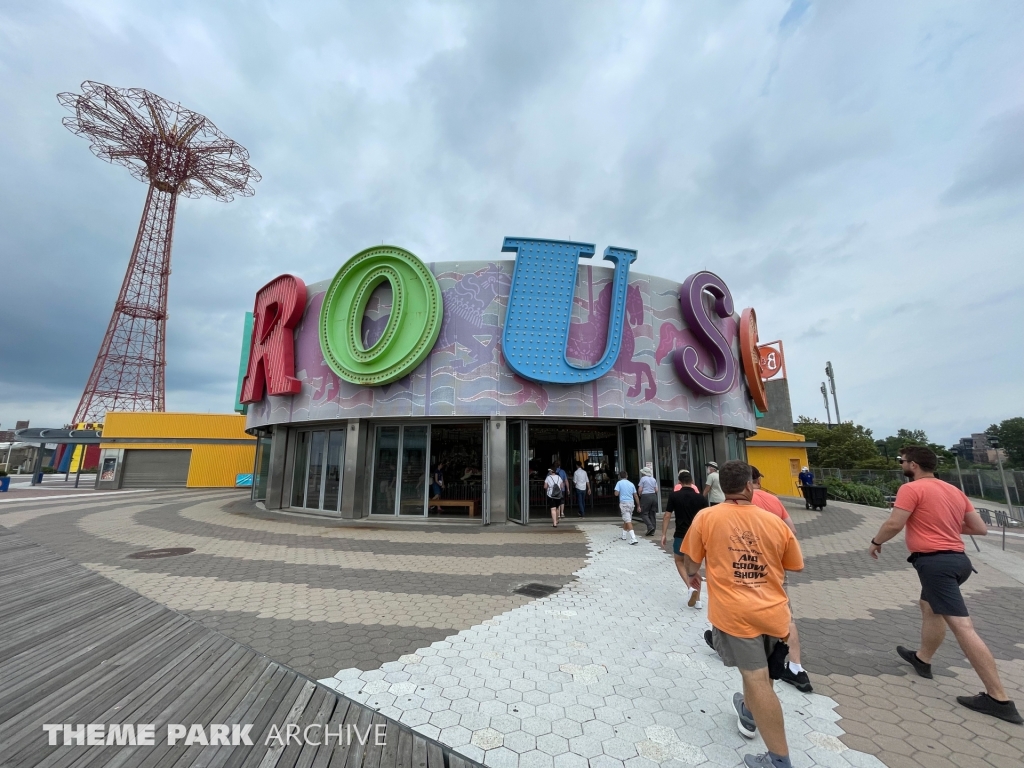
77	648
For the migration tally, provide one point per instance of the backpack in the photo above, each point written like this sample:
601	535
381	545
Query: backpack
555	491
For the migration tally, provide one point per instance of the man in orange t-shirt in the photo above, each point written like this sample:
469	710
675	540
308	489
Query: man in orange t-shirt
935	515
747	554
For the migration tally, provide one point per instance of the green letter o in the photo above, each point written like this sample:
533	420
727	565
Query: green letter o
412	329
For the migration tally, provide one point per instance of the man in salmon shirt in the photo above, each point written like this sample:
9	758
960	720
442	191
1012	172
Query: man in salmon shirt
935	515
747	554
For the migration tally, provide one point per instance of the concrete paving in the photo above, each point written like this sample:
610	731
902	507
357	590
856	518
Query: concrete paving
366	604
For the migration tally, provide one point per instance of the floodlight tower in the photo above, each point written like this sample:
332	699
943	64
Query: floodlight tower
177	152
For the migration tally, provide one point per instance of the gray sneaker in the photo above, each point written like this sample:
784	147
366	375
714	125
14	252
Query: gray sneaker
762	761
745	720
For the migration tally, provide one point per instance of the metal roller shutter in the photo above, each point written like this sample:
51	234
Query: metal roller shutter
156	469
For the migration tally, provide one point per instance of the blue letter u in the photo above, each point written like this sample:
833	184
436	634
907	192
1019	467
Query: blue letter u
536	329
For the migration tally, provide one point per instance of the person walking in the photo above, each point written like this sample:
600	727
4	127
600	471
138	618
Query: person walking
793	673
565	486
936	515
713	487
581	480
648	489
747	554
628	502
554	490
684	502
806	477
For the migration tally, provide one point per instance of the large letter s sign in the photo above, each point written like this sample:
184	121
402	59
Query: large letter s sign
707	334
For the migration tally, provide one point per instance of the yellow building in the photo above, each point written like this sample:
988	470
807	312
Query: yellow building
166	450
779	456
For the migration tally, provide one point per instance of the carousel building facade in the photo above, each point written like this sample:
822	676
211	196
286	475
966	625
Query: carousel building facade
400	389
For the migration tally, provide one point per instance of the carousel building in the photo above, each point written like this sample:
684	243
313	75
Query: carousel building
400	389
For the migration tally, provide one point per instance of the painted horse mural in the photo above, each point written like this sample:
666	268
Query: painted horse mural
464	306
587	339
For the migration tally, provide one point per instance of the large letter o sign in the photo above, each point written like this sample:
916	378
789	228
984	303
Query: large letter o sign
411	331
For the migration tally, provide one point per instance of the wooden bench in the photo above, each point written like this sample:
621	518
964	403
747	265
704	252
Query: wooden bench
469	504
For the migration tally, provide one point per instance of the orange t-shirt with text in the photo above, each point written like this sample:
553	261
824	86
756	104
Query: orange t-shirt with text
748	554
769	503
937	511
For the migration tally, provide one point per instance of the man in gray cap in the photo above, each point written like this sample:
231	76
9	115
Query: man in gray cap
712	487
648	490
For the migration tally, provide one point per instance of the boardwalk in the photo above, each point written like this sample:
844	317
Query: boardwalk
77	648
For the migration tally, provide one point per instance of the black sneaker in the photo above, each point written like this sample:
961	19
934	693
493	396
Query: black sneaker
985	704
909	656
708	640
798	680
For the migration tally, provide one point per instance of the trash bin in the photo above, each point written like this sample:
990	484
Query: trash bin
39	478
815	496
5	483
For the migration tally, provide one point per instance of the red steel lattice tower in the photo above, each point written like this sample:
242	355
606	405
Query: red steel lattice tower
177	152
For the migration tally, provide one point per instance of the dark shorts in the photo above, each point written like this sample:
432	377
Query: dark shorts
750	654
677	546
941	575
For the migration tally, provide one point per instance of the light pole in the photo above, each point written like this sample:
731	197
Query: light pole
994	442
828	415
832	385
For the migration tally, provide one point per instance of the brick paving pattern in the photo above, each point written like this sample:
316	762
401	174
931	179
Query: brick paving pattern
329	598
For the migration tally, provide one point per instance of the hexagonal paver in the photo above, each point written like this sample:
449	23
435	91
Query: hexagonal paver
455	736
520	741
501	757
552	744
487	738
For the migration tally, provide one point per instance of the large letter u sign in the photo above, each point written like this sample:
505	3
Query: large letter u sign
540	307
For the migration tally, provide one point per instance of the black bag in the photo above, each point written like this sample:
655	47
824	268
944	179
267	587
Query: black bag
776	659
555	492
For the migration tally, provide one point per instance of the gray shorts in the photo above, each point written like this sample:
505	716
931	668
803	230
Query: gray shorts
747	653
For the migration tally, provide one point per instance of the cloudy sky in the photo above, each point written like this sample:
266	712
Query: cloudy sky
855	171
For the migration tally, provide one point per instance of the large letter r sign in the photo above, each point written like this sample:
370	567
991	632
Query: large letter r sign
280	305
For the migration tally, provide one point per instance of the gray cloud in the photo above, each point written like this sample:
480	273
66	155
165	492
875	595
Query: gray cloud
818	156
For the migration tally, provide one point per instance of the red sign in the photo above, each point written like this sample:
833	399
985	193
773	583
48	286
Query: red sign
772	361
280	305
750	356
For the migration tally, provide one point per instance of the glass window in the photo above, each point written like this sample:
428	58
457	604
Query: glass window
316	465
414	470
385	470
332	471
456	470
261	468
301	457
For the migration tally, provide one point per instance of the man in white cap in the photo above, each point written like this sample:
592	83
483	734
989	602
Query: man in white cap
712	487
648	500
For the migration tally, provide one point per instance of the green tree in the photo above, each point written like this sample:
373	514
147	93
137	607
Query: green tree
841	447
890	446
1011	437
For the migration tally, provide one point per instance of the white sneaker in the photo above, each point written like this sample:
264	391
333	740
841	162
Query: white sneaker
698	605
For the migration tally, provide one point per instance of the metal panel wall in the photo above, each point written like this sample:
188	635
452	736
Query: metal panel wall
156	468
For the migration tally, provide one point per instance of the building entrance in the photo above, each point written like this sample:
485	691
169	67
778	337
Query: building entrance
602	450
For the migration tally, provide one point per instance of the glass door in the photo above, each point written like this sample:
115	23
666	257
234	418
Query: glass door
316	480
517	510
399	484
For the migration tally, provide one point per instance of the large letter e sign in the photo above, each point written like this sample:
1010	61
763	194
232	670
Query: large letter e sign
280	305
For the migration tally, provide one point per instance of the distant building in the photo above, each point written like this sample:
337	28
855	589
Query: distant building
977	449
